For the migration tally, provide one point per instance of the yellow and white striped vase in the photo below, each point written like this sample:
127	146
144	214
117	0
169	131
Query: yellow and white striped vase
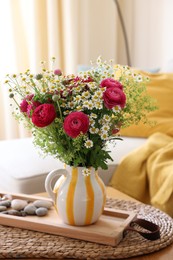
79	199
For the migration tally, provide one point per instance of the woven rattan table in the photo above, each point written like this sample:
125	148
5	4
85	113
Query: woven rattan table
16	243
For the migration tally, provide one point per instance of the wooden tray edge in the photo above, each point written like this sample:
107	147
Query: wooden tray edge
63	230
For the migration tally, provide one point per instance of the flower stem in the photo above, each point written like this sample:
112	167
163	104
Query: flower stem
60	112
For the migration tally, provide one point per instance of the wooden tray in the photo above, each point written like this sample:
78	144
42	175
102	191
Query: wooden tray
107	230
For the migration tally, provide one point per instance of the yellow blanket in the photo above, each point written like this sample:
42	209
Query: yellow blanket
146	174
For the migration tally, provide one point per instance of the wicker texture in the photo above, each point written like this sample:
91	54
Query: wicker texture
18	243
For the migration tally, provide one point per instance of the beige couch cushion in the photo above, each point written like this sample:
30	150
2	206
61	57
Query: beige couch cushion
22	170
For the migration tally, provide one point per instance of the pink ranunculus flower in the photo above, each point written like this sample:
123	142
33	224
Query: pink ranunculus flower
43	115
114	97
28	104
76	123
76	79
24	106
58	72
109	82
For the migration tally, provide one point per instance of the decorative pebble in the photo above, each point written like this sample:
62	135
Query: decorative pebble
41	211
43	203
30	209
7	197
6	203
18	204
21	207
14	212
4	212
23	213
3	208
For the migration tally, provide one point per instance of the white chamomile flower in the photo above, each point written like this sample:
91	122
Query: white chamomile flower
92	85
86	172
92	122
79	108
88	143
88	104
82	97
77	98
101	121
103	89
116	109
98	93
104	136
77	89
139	78
93	115
94	98
106	118
71	104
94	130
86	94
98	105
66	112
133	75
105	128
63	105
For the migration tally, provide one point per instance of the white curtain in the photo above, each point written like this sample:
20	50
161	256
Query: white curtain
75	32
149	25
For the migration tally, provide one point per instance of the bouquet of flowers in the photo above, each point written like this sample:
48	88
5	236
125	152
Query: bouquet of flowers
73	117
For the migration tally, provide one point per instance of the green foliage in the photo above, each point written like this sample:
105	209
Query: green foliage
82	93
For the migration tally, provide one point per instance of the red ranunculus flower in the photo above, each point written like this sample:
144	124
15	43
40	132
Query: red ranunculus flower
109	82
115	131
43	115
114	97
75	123
89	79
31	107
29	111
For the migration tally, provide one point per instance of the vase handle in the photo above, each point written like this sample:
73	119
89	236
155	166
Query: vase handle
48	181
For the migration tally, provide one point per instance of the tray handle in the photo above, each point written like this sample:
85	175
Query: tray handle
154	229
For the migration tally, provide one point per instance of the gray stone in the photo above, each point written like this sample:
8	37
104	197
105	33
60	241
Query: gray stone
23	213
41	211
4	212
6	203
14	212
3	208
18	204
30	209
43	203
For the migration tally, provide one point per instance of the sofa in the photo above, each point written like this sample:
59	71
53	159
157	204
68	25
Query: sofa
23	169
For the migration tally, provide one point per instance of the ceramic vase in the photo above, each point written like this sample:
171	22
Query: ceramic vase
78	198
